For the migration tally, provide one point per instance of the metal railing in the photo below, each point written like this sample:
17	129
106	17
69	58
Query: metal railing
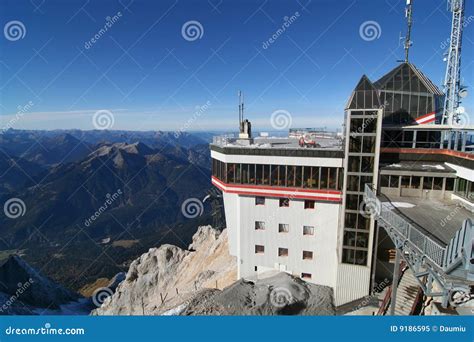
427	246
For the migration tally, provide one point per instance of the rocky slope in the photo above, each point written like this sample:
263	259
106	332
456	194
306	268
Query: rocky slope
202	281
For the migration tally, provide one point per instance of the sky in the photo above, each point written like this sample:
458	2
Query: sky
178	65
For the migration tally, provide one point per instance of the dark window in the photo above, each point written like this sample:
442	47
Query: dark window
354	164
259	249
370	124
384	180
309	204
283	228
352	183
252	178
259	225
282	252
332	178
349	239
415	182
362	240
324	178
394	181
290	176
245	173
308	230
281	175
361	258
274	169
437	183
315	177
305	275
351	220
405	182
369	145
367	164
427	183
231	173
357	125
299	177
259	200
284	202
238	170
352	202
259	174
355	144
449	184
266	174
307	255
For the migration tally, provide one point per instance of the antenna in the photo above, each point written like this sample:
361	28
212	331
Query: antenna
240	110
408	42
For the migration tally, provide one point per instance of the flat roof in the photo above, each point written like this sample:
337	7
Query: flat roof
440	218
323	142
418	166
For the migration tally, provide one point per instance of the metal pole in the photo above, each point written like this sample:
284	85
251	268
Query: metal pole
396	276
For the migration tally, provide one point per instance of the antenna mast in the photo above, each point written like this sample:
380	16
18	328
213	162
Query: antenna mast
452	78
408	42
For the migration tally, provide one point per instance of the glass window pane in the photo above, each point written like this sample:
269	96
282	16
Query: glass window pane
427	183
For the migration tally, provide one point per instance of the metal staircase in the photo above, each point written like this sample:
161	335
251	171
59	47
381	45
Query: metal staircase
445	271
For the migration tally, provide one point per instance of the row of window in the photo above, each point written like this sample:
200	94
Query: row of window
285	202
417	182
283	252
313	177
284	228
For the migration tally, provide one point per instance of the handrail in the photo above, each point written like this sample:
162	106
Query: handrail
426	245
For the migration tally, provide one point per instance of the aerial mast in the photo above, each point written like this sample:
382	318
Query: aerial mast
408	42
452	79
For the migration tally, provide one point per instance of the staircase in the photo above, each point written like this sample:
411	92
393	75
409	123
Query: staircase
407	293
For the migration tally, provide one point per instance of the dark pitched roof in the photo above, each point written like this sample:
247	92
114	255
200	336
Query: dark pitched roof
365	95
404	72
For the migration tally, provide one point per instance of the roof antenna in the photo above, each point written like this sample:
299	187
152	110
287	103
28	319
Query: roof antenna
241	111
408	42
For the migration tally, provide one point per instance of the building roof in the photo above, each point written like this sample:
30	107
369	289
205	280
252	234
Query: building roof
418	166
407	77
364	96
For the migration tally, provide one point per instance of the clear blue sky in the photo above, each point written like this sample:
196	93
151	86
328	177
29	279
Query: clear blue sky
151	78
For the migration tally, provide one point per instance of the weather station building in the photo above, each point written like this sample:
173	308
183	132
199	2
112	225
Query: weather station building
374	203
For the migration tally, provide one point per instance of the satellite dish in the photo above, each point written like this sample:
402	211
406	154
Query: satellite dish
463	93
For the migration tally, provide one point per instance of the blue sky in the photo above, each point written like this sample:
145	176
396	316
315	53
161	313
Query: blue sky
150	77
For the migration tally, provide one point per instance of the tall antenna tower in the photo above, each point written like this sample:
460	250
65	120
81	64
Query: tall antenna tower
408	42
452	79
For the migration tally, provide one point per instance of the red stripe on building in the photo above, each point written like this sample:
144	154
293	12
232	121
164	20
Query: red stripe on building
427	118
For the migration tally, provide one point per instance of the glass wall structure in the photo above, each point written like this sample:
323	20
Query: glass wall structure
310	177
408	94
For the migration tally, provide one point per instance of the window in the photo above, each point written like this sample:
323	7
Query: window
307	255
284	202
282	252
384	180
427	183
309	204
259	249
415	182
283	228
437	183
394	181
255	268
305	275
405	182
449	184
259	225
308	230
259	200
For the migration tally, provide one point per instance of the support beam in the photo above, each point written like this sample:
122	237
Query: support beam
396	278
